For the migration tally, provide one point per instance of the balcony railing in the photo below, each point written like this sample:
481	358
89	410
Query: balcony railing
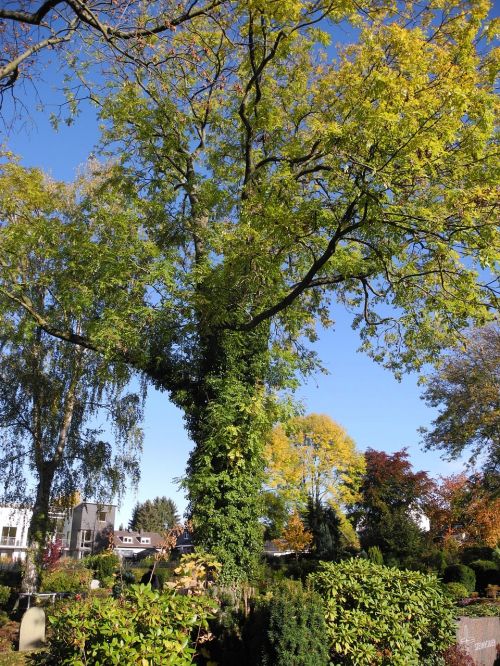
9	541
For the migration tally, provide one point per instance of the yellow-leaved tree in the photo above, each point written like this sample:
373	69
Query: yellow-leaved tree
312	458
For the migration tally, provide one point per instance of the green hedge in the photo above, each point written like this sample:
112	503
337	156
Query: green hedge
69	575
383	616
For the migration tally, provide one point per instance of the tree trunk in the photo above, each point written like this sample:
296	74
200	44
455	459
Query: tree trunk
228	420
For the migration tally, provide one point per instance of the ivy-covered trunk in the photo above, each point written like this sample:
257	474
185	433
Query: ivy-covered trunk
38	531
228	420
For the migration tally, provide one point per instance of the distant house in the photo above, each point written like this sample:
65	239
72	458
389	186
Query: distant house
137	545
88	528
14	524
81	530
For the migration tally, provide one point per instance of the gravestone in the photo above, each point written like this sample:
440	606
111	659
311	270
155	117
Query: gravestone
95	584
32	631
479	637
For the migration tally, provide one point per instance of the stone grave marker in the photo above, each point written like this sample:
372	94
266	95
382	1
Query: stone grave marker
95	584
32	631
479	636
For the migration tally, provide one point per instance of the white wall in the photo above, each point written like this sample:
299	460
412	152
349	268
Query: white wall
20	519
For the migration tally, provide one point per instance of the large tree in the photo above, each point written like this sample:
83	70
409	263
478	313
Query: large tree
466	389
263	180
157	515
390	509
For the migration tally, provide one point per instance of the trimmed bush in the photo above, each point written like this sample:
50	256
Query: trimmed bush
459	573
487	573
456	590
382	616
288	629
69	575
145	627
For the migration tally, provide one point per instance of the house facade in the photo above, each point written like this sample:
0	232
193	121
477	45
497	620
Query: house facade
82	530
14	524
88	528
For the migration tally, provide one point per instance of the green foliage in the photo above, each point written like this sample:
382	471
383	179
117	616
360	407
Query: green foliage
479	610
287	629
381	616
460	573
275	515
157	515
375	555
456	590
325	525
5	592
251	190
103	565
144	628
487	573
69	575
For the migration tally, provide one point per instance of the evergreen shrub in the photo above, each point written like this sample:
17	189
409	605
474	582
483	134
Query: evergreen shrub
460	573
487	573
5	592
287	629
383	616
456	590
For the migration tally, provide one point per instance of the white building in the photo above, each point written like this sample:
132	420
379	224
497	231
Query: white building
14	523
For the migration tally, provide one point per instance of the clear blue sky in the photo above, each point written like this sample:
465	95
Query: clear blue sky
376	410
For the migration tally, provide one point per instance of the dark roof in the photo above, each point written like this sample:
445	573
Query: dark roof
155	539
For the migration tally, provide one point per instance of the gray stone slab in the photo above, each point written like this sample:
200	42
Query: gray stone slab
479	636
32	631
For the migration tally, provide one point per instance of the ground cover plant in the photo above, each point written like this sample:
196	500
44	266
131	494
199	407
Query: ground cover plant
382	616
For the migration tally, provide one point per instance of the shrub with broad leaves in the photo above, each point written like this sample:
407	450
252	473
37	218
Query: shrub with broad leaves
145	628
382	616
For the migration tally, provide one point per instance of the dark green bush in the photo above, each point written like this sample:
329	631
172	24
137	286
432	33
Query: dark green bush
287	629
460	573
487	573
383	616
145	627
471	553
11	576
456	590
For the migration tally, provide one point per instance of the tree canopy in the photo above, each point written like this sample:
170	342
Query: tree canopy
466	389
157	515
258	178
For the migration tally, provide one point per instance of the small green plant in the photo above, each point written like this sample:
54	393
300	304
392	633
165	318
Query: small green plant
383	616
5	592
375	555
143	627
103	565
456	590
460	573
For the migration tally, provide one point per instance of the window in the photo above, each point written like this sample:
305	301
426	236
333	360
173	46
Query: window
9	536
127	539
101	516
86	540
145	540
